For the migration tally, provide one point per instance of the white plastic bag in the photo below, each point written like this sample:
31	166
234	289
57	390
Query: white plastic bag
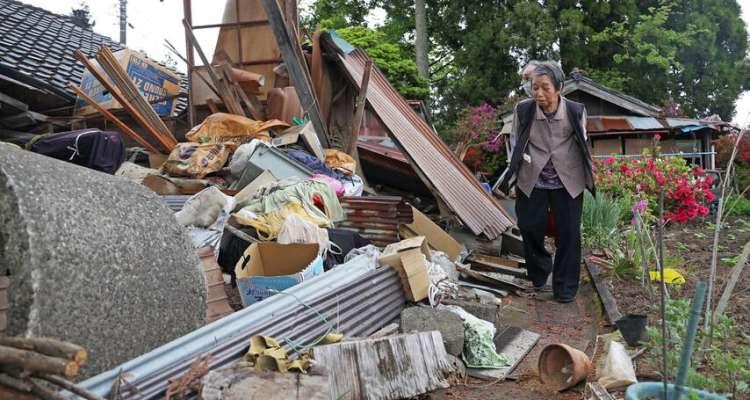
618	371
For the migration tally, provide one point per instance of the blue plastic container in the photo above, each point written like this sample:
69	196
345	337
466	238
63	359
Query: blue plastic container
646	390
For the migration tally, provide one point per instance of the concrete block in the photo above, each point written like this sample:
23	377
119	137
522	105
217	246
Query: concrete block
93	259
487	312
450	326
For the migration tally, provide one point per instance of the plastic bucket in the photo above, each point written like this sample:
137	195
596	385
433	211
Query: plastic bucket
562	366
648	390
633	328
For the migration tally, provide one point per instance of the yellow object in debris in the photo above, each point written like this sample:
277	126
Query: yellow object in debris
222	127
671	275
332	338
266	354
269	225
339	159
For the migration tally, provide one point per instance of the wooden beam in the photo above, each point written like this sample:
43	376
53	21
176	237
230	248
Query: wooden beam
359	112
108	115
242	24
187	10
227	97
608	300
290	52
174	50
212	106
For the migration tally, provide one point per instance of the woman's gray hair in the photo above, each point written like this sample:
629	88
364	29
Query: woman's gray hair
551	70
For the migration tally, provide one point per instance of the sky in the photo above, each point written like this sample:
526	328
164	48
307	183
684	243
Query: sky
153	21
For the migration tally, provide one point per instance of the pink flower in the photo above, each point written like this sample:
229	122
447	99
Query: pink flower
657	137
609	160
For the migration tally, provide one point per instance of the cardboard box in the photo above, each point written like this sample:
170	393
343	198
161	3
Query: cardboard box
409	258
437	238
153	81
270	266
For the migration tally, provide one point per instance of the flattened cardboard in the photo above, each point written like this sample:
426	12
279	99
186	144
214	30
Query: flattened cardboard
268	266
289	136
437	238
409	257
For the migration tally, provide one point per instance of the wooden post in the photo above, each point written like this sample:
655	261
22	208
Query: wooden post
360	110
295	66
188	17
108	115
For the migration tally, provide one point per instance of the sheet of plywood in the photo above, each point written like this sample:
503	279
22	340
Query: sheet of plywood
388	368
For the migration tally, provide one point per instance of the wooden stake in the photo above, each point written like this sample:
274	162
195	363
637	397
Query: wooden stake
37	363
359	113
70	386
108	115
47	346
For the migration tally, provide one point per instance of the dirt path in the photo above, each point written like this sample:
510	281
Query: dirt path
575	324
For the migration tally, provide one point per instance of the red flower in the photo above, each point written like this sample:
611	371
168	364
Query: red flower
609	160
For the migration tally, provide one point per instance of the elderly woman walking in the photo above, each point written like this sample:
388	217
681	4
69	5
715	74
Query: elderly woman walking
550	167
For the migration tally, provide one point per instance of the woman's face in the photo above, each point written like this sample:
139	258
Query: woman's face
544	91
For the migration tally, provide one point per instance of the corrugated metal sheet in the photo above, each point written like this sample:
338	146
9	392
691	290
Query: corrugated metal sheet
644	123
452	181
356	302
603	124
376	218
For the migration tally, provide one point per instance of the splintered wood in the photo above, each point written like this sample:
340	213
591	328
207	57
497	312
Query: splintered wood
388	368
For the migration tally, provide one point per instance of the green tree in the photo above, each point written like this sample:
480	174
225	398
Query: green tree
394	60
81	16
691	51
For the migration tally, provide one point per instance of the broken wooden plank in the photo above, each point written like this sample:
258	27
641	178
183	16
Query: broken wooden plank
251	102
514	343
608	300
389	368
290	52
493	264
503	280
111	117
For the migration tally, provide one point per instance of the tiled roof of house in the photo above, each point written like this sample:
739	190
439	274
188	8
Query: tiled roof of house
36	47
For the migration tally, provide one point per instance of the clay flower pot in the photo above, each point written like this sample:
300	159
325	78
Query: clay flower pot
562	367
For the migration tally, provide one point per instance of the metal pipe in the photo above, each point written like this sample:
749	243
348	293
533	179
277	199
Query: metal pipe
687	344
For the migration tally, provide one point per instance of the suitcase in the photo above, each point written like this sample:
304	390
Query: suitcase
92	148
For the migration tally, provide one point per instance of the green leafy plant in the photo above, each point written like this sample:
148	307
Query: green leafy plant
726	368
738	206
600	221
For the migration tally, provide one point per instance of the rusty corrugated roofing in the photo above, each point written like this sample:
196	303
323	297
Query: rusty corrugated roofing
451	180
376	218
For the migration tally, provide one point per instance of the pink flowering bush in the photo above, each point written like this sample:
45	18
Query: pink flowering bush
479	128
687	191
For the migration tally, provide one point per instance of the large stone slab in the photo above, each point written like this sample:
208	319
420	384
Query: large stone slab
423	319
245	383
93	259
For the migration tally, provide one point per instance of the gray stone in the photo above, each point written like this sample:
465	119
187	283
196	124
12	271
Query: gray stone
93	259
449	324
487	312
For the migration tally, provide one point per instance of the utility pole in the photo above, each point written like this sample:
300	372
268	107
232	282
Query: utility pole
123	21
421	38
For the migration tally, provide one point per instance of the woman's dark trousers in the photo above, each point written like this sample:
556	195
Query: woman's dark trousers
532	221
